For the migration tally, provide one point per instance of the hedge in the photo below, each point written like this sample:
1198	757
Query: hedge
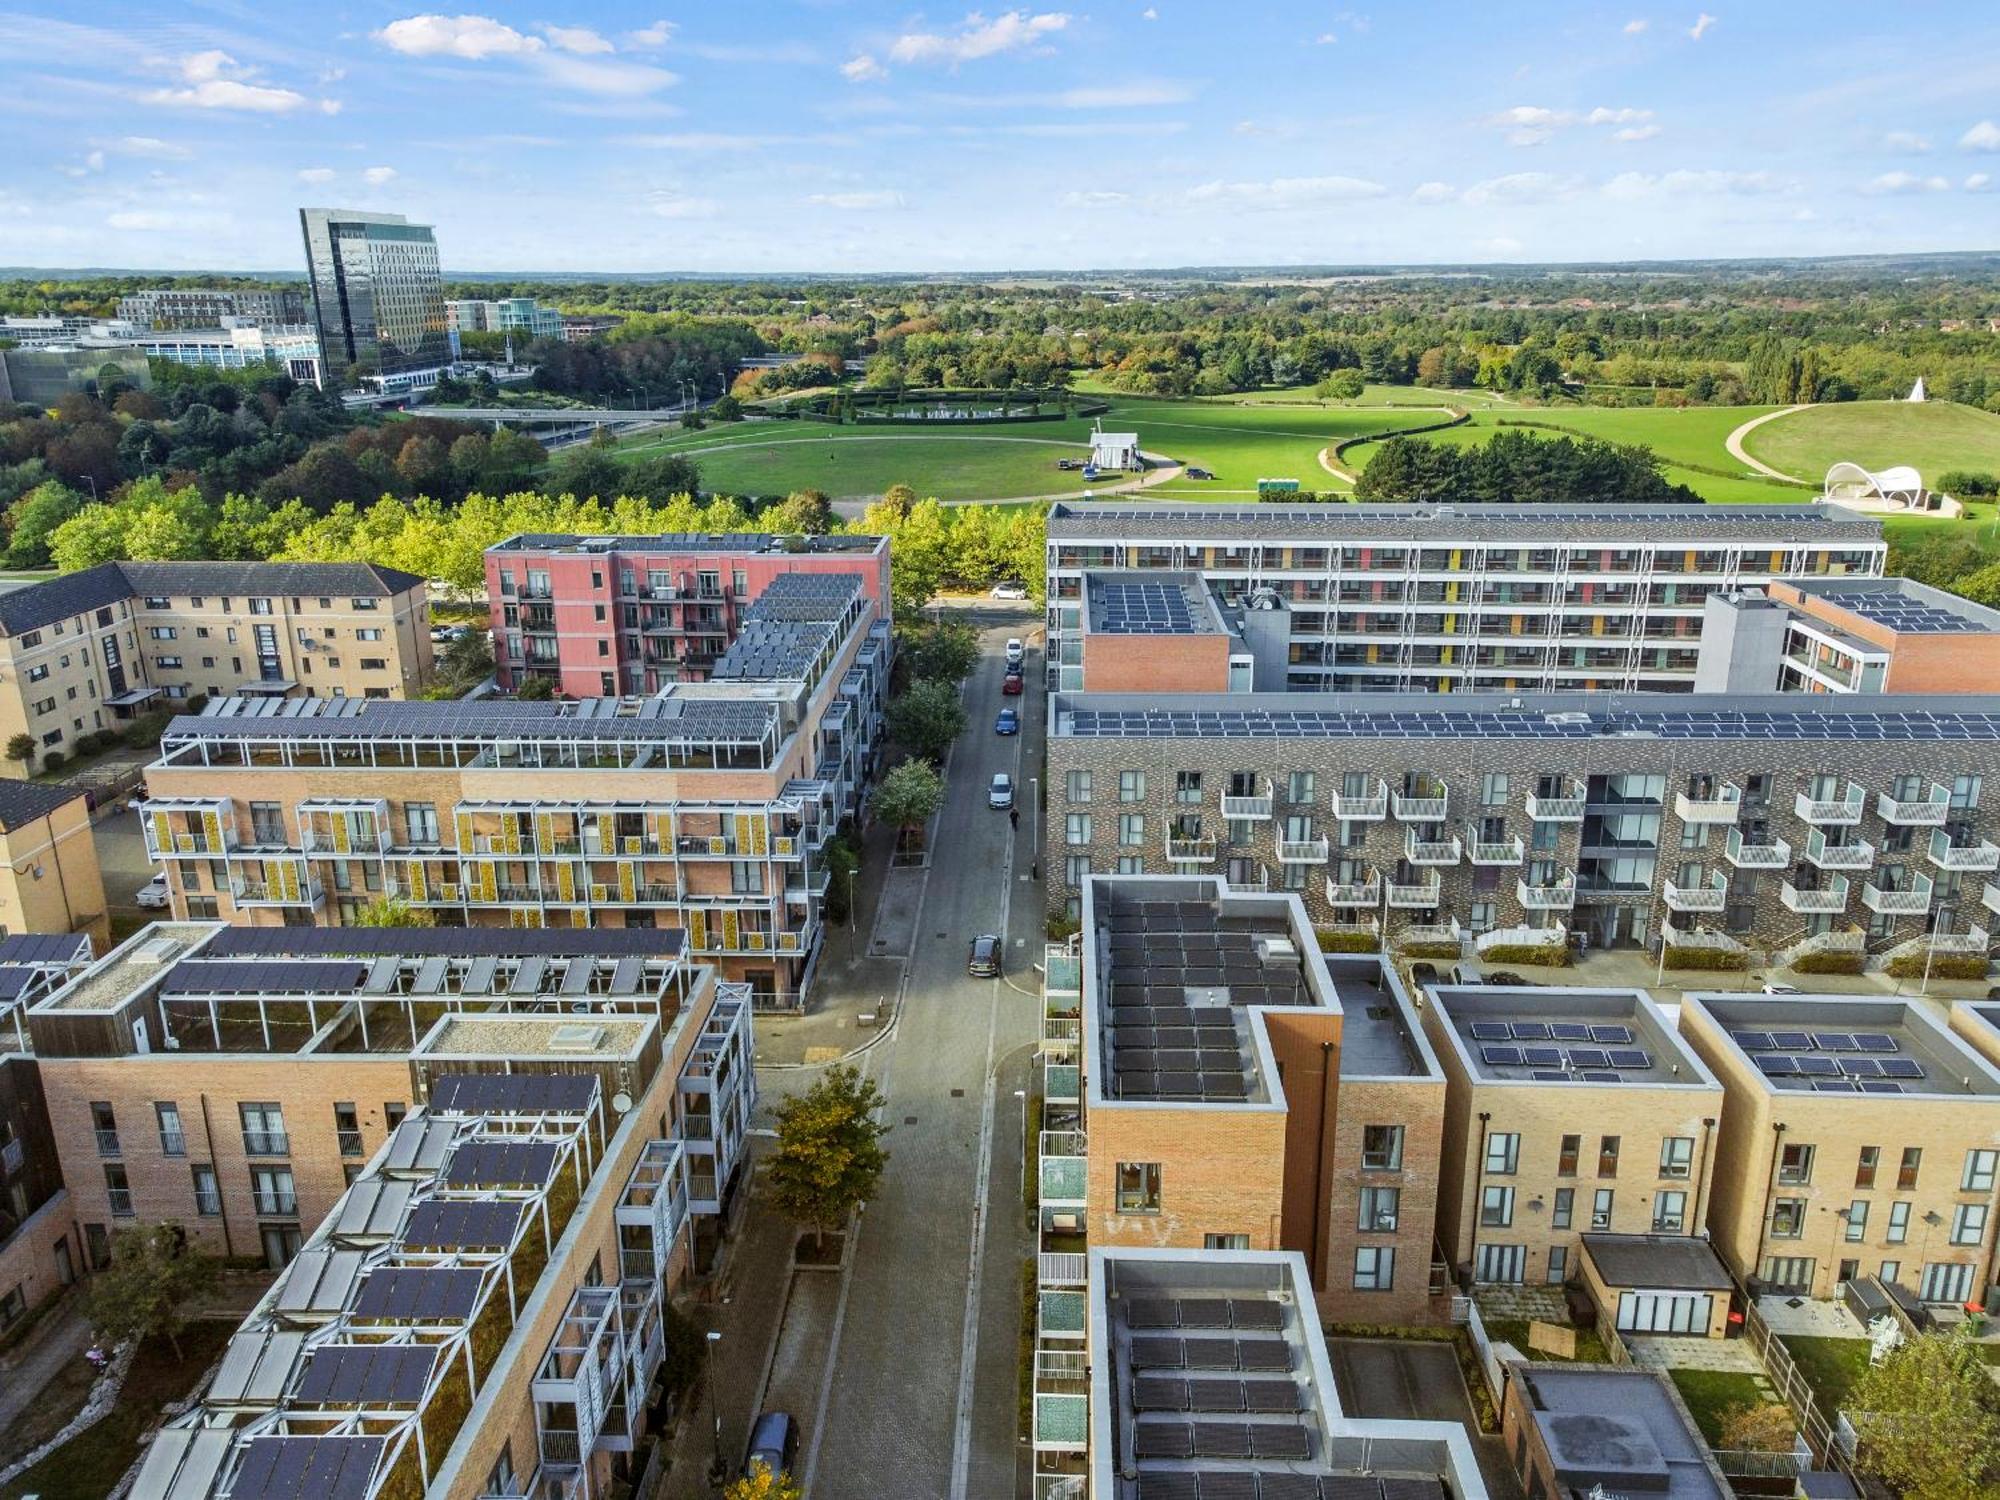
1428	950
1830	963
1346	942
1543	955
1941	965
1683	956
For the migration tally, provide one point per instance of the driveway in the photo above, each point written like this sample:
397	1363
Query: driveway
1412	1381
121	859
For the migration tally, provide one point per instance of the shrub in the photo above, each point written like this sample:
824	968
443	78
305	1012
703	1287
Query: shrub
1912	965
1428	950
54	760
1544	955
1830	963
1681	956
1345	942
1062	928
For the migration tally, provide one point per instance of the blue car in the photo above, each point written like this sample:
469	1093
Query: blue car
1009	722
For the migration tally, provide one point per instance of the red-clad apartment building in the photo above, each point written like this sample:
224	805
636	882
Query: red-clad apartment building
611	616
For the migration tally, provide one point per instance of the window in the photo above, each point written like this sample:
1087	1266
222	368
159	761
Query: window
1496	1207
119	1189
173	1140
1381	1148
1795	1165
1857	1221
1600	1208
1677	1156
267	823
1558	1264
1076	870
1131	786
1374	1268
1187	786
1379	1207
1670	1211
207	1191
1077	828
1607	1156
393	1112
372	634
381	664
420	819
259	606
1978	1174
1788	1218
1078	786
1131	828
501	1480
163	632
1564	1213
171	663
104	1120
38	674
1572	1147
347	1129
1891	1270
1968	1224
1865	1165
272	1191
1138	1187
1131	864
1503	1153
31	639
1906	1175
1299	787
1225	1242
264	1130
1899	1223
1493	790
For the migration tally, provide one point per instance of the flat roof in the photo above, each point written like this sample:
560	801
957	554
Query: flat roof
1850	1045
1812	523
1379	1033
667	717
517	1037
689	541
134	965
1903	605
1503	716
1543	1035
1126	603
1670	1262
1622	1428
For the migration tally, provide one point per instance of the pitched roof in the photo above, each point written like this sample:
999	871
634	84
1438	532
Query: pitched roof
1675	1262
73	594
22	802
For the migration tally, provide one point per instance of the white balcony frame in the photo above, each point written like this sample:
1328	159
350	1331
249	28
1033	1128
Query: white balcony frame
1982	857
1442	852
1914	812
1418	897
1365	893
1710	897
1506	852
1372	808
1826	900
1430	809
1255	807
1304	851
1192	851
1560	896
1725	807
1911	903
1859	855
1844	811
1568	809
1772	855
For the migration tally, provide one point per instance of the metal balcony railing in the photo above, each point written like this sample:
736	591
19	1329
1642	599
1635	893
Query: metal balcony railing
173	1143
1064	1169
1765	854
1421	851
1369	807
1990	898
1505	852
1824	854
1914	901
1567	808
1429	806
1559	895
121	1202
266	1143
275	1205
1361	893
1418	897
1831	897
1304	851
1711	897
1253	805
1928	811
107	1143
1720	805
1197	849
1981	856
1842	811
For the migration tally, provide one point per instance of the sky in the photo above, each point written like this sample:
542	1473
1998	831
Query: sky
829	136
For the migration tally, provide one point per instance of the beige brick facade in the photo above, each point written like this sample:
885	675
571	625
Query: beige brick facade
49	877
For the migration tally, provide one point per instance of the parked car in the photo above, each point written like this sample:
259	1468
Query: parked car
983	960
1428	974
1016	652
1068	465
1778	987
1009	722
1001	793
1011	684
774	1443
1194	473
153	894
1010	590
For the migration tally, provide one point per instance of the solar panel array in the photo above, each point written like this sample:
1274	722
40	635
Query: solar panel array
418	1294
1903	613
515	1093
1865	723
805	596
446	1224
324	1468
640	720
366	1375
1142	609
1831	1062
1562	1051
44	948
208	976
501	1163
1241	1484
448	942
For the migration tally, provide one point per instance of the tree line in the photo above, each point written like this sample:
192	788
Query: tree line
1518	468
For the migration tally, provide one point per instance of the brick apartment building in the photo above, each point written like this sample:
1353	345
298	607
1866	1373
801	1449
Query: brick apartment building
604	616
49	877
83	652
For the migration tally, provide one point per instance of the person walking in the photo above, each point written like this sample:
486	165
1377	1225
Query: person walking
1014	818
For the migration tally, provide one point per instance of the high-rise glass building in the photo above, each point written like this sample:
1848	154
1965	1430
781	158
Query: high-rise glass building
378	299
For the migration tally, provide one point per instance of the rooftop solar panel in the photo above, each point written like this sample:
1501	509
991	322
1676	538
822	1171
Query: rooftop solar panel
1874	1041
1773	1064
1630	1057
307	1468
1599	1075
1834	1041
1753	1041
366	1375
202	976
1861	1067
1813	1066
1501	1057
1901	1067
1795	1041
457	1224
418	1294
1878	1086
1530	1031
1569	1031
1616	1036
515	1093
1542	1057
1589	1057
1551	1075
1490	1031
452	942
501	1163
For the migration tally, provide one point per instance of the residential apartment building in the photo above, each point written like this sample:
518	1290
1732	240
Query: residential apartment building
85	651
1859	1136
1567	1112
704	810
49	877
480	1315
1741	821
236	1081
172	308
522	315
1466	598
377	298
600	616
1847	635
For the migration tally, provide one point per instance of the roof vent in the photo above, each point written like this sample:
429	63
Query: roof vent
1568	718
576	1038
155	951
1276	950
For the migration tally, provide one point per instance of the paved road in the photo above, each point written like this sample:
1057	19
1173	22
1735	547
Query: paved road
1407	1380
919	1400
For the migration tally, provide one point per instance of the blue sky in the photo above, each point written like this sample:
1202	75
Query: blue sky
819	135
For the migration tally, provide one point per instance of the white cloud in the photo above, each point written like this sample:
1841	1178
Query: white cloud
1636	133
376	176
316	174
578	39
1097	198
1985	136
862	69
1701	24
1433	192
1636	25
858	202
92	162
1904	182
330	106
1123	96
1978	182
699	140
1285	192
1326	39
620	80
215	80
1149	14
151	147
1629	186
1533	124
1906	141
978	37
1604	116
678	206
1523	187
656	35
472	37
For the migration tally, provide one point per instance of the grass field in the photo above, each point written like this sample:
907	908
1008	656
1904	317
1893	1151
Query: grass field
1932	437
1712	1394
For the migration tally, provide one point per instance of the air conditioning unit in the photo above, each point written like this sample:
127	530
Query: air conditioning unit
1385	1221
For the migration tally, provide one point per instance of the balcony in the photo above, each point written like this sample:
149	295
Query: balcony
1061	1268
653	1209
1191	849
1559	895
1711	897
1420	851
288	888
1928	811
1249	882
1697	938
1826	899
1769	854
266	1143
1419	897
1064	1169
1426	933
1062	1401
1843	811
1982	857
1913	902
1506	852
1990	898
579	1376
1363	893
1304	851
1567	808
1253	805
1428	806
1720	805
1369	807
1826	855
275	1205
1062	1083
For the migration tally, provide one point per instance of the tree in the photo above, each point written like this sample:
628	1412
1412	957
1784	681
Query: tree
536	689
22	748
145	1290
926	717
467	662
761	1484
908	796
393	911
659	478
1341	385
93	535
1929	1420
588	471
33	519
829	1157
801	513
945	651
1758	1427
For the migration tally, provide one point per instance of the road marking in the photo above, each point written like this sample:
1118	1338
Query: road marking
961	1442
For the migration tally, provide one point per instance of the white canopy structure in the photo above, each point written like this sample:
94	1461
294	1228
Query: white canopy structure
1917	391
1898	488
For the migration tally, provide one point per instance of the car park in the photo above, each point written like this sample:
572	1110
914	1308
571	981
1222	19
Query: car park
153	894
982	960
1001	793
1009	722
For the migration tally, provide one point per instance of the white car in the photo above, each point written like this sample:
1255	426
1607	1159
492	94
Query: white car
153	894
1778	987
1010	591
1001	793
1014	651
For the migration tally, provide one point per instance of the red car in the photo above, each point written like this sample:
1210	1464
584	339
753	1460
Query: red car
1011	684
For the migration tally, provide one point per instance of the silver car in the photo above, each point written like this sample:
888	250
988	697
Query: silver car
1001	794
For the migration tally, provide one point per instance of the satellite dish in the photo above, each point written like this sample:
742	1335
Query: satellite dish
621	1103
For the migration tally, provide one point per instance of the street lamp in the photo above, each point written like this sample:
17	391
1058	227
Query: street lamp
1034	818
714	1411
1022	1095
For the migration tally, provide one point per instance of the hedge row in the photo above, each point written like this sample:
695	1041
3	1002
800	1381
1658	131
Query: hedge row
1941	965
1544	955
1683	956
1831	963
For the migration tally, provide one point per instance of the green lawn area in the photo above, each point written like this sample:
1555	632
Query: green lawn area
1931	436
88	1466
1712	1394
1831	1367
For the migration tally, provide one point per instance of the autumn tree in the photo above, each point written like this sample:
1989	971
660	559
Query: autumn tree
761	1484
393	911
1929	1420
829	1157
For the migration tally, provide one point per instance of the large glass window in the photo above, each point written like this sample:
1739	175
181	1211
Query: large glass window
1138	1187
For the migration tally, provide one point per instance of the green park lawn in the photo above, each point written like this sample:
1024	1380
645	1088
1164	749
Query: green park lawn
1932	436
